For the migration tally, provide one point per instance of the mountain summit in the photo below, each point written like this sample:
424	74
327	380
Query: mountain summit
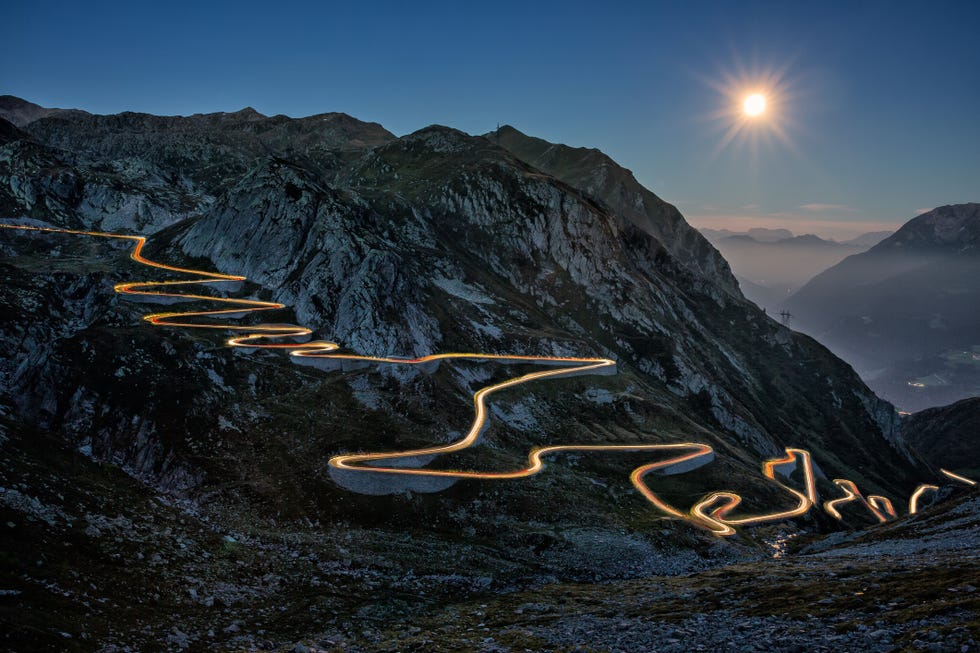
954	229
595	174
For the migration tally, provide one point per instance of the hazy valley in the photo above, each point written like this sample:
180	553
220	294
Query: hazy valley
905	313
772	264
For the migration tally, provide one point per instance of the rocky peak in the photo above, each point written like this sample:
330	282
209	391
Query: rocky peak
20	112
591	172
248	113
439	138
952	227
10	133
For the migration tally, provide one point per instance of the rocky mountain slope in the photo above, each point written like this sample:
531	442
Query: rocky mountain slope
141	172
906	313
93	559
596	175
869	239
440	217
211	463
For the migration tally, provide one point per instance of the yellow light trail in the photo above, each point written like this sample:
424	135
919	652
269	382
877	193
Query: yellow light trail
718	519
852	493
957	477
882	506
919	491
925	487
711	512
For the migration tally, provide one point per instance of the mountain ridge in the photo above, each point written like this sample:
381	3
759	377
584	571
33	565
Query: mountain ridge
596	174
20	112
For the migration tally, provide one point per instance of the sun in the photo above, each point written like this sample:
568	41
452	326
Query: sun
754	104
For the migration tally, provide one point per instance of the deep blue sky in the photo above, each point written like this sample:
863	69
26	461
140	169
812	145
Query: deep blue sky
883	97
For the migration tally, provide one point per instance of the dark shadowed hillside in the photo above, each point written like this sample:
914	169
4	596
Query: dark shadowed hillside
948	436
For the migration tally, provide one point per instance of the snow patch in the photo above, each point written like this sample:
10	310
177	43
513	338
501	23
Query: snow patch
459	288
517	415
488	330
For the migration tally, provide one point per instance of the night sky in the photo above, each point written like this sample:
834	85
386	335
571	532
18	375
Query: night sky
877	115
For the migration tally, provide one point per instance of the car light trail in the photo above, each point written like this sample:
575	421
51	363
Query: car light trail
882	506
919	491
718	519
851	493
957	477
712	512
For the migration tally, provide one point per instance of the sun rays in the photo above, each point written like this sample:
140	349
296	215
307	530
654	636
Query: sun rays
753	108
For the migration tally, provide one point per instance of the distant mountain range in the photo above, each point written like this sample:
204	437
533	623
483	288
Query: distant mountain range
758	233
785	236
771	264
906	313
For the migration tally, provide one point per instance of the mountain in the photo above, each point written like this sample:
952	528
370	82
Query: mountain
758	234
763	235
173	484
595	174
948	436
145	172
906	313
869	239
806	240
21	112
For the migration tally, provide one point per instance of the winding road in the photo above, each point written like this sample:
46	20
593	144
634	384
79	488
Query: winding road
713	512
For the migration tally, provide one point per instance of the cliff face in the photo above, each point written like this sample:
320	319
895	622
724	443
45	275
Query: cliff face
596	175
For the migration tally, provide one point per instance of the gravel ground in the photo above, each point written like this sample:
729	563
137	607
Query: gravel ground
912	585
